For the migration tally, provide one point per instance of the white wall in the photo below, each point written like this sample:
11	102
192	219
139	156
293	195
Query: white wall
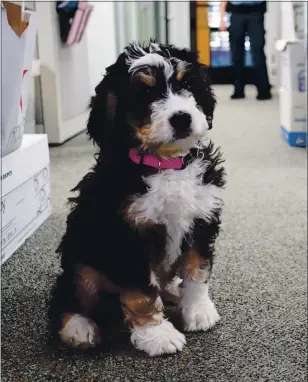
179	23
69	75
101	41
64	78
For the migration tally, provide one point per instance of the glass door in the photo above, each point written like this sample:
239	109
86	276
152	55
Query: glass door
219	44
214	46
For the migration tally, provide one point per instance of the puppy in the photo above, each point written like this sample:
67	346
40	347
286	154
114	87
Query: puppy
148	213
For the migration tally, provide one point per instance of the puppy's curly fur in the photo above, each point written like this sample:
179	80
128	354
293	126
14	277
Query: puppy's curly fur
133	230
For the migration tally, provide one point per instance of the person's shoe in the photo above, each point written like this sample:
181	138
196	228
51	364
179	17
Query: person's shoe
237	95
264	96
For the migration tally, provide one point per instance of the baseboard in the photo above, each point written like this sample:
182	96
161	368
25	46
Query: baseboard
67	140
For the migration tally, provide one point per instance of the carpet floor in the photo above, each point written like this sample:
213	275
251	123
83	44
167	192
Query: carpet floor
259	283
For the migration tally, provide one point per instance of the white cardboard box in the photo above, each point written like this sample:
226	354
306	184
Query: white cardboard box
293	20
22	164
293	63
293	117
25	199
293	92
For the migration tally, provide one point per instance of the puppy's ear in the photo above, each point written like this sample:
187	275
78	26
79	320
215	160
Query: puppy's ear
208	99
103	110
102	119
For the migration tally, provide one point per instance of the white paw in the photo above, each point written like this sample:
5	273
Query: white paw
198	310
80	332
158	339
200	316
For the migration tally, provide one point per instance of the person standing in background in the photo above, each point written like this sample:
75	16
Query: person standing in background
247	17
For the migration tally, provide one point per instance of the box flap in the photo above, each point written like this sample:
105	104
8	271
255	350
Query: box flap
22	164
15	17
281	45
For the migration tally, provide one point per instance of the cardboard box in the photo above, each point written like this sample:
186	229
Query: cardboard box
293	117
293	61
293	20
18	29
25	199
300	19
24	163
293	69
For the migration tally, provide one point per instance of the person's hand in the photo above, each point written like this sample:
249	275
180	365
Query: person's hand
222	26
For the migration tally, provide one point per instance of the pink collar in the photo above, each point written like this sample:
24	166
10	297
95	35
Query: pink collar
152	161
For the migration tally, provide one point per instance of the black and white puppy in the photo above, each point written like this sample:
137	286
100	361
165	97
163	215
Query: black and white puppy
143	226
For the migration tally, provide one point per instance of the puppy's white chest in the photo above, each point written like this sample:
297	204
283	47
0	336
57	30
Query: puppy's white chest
175	198
172	197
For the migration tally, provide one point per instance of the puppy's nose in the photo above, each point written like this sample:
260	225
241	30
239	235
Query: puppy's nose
181	122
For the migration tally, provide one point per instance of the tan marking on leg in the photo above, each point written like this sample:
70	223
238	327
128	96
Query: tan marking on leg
140	309
195	267
87	286
198	310
87	280
65	318
89	283
168	280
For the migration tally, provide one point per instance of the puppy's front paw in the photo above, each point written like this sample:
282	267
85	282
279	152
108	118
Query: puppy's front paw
200	316
80	332
158	339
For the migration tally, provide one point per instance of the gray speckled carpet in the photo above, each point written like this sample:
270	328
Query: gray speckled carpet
259	282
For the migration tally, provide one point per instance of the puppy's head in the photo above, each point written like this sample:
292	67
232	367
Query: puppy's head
156	97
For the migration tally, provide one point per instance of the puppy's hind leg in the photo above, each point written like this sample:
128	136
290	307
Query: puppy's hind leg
68	315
